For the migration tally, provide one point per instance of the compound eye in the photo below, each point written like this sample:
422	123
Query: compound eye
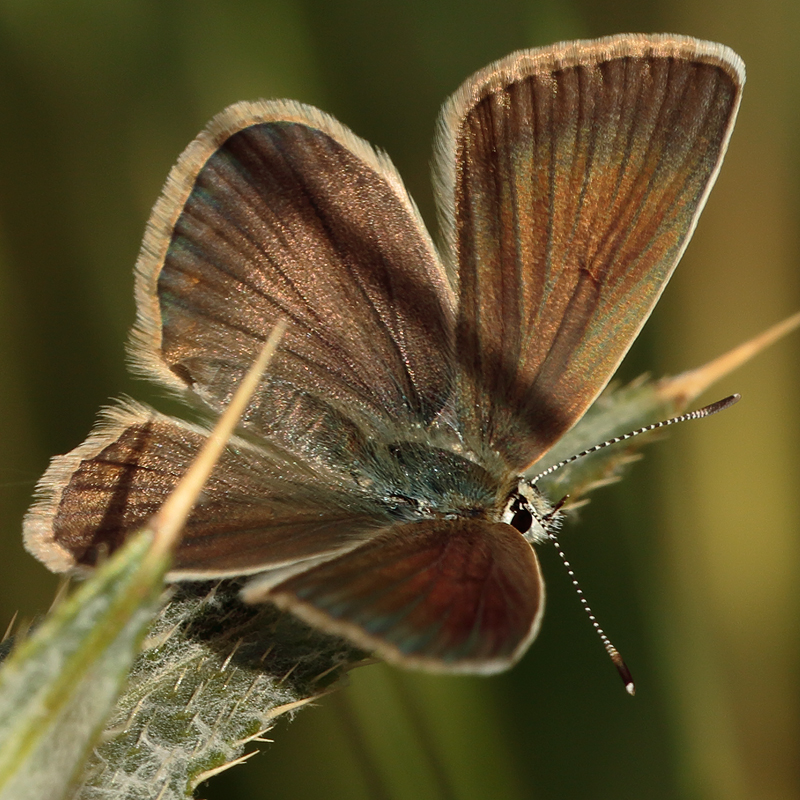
522	519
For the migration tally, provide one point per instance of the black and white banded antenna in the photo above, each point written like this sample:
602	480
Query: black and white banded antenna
613	653
705	411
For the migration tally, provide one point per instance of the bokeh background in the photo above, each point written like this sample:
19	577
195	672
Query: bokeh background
693	563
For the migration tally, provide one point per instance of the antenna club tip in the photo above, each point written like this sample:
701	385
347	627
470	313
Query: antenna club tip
624	672
721	405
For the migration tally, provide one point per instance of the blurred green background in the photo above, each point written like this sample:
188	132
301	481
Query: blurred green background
693	563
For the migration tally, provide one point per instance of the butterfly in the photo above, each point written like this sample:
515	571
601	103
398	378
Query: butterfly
379	486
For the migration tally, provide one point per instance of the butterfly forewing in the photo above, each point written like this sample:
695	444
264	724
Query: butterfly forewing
278	211
572	178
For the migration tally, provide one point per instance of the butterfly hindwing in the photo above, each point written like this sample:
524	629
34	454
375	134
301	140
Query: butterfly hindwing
449	595
260	508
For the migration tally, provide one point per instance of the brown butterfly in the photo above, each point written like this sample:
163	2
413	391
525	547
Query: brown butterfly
377	487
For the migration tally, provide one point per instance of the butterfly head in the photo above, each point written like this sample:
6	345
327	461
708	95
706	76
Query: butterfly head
528	511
